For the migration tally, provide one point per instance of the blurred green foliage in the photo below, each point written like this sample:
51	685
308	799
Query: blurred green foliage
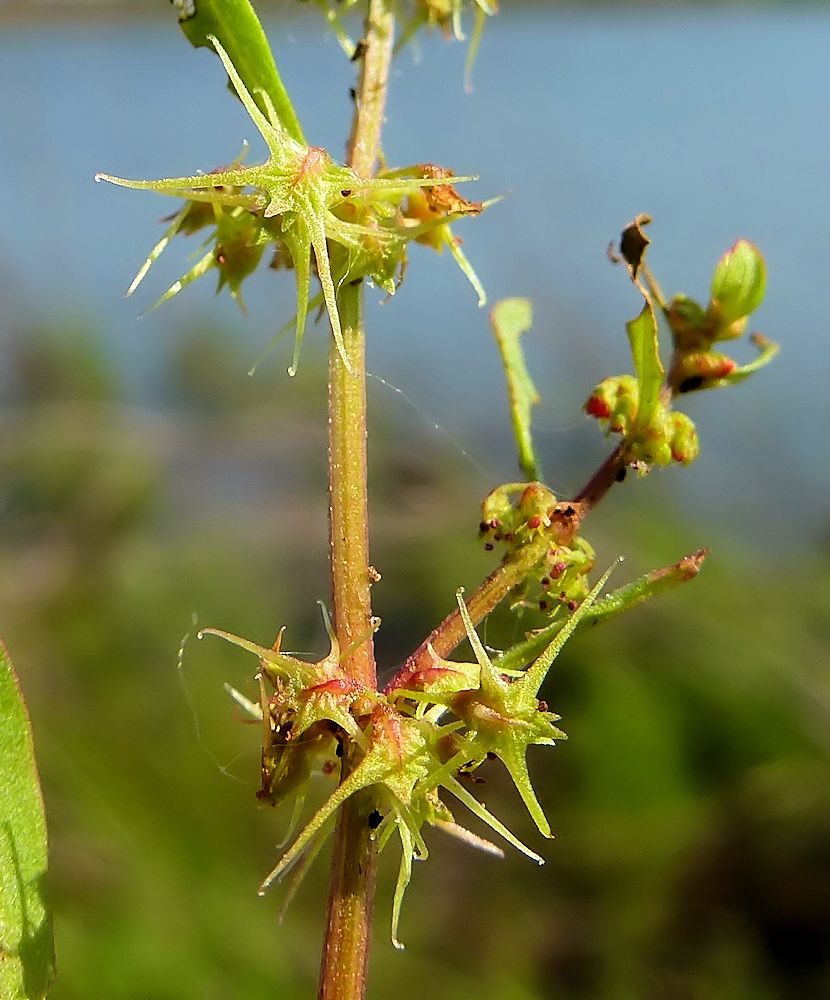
691	803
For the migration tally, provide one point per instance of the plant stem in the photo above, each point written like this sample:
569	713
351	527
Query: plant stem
351	895
611	471
348	511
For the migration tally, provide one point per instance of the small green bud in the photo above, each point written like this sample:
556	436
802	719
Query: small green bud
684	443
661	453
615	402
511	521
738	286
650	443
534	506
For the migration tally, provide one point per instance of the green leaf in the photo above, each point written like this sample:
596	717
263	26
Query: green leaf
658	581
26	950
511	318
236	25
645	352
739	282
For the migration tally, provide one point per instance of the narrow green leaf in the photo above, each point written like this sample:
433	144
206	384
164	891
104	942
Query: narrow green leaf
236	25
630	594
26	951
645	352
767	350
511	318
658	581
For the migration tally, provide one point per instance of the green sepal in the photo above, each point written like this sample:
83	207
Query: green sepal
505	716
235	24
26	948
312	692
510	319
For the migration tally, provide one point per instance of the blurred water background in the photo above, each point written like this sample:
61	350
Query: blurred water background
146	478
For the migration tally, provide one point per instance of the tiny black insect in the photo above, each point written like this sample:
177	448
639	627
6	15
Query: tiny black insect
375	819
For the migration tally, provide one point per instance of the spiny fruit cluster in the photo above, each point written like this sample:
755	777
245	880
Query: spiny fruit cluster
410	744
315	215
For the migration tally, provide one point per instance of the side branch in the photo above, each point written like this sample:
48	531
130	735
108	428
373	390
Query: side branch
565	522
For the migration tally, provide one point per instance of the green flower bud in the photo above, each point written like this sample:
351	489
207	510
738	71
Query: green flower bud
651	443
738	286
684	443
615	402
511	521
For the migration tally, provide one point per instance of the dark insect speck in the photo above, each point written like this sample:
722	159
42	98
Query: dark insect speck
375	819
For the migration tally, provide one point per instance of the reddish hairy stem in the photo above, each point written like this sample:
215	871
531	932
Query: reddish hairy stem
344	961
612	470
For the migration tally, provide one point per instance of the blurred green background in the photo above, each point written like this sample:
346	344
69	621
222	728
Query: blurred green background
146	483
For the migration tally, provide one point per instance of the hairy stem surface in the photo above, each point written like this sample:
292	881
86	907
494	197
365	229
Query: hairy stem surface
351	896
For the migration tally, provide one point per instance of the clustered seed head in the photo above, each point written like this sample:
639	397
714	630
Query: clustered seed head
411	745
